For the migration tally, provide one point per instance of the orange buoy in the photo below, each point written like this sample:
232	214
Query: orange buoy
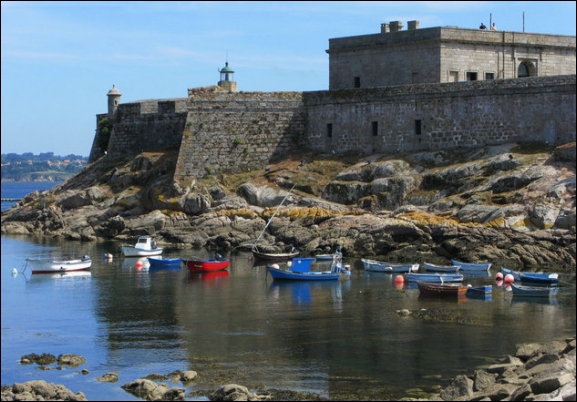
399	279
138	265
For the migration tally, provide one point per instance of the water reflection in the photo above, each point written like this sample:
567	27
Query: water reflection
304	292
239	325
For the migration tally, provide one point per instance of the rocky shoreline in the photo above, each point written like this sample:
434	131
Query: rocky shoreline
537	372
512	203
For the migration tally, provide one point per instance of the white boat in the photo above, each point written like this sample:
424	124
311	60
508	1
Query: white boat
144	246
46	265
390	267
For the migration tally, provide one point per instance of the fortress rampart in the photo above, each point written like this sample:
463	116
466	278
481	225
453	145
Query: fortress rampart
217	131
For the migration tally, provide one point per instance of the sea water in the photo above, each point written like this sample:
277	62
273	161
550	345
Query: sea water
239	326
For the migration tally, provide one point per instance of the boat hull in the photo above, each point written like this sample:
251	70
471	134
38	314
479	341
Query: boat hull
207	265
467	266
283	274
433	277
164	262
388	267
274	256
40	266
130	251
451	290
530	291
539	279
441	268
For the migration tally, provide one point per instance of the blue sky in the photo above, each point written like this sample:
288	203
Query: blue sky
59	59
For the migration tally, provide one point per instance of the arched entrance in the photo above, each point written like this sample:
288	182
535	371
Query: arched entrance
526	69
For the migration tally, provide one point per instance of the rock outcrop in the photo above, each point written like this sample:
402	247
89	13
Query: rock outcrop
512	203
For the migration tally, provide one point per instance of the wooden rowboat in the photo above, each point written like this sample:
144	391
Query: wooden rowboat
534	291
434	277
442	289
388	267
468	266
441	268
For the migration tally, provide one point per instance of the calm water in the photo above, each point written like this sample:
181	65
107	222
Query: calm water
244	328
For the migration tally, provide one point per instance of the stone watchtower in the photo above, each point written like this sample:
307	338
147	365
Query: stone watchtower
113	100
227	79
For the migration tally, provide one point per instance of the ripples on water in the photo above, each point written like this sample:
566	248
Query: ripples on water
239	326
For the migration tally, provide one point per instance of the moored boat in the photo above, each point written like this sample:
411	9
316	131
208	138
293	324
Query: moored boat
434	277
299	269
468	266
161	262
482	291
388	267
46	265
261	255
274	256
441	268
441	289
144	247
534	291
534	278
199	265
539	278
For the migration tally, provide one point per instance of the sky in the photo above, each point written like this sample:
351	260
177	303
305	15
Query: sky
60	59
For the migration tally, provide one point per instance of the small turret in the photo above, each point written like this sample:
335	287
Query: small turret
113	100
227	79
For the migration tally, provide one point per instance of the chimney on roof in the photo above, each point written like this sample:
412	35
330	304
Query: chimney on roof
396	26
385	28
412	25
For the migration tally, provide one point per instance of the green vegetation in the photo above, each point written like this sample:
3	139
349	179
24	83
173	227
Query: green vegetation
42	167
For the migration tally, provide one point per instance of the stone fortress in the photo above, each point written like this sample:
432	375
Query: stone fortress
395	91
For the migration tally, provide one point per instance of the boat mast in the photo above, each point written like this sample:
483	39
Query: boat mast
271	218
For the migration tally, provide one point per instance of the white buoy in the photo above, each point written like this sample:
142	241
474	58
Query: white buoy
14	272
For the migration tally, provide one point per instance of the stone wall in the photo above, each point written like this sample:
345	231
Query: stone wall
218	131
464	114
232	132
149	125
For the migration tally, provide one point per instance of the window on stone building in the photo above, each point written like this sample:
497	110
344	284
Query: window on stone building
357	82
375	127
418	127
330	130
489	76
471	76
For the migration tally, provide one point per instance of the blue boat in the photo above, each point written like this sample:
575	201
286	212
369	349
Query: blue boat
480	291
299	269
433	277
539	278
468	266
531	291
535	278
163	262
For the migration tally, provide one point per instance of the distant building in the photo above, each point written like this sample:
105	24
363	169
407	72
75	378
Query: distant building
444	54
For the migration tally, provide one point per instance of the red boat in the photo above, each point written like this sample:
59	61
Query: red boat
207	265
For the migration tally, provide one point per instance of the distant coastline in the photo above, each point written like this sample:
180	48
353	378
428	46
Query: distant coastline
45	167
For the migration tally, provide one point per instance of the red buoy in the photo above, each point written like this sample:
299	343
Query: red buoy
509	278
399	279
